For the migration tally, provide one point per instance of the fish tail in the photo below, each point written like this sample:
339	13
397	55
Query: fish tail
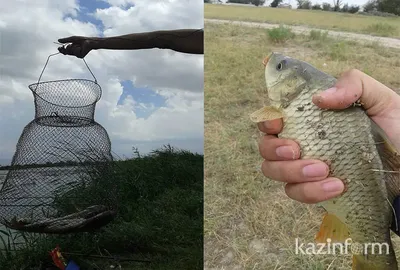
380	262
360	264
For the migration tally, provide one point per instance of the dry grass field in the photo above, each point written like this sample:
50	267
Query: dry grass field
249	221
380	26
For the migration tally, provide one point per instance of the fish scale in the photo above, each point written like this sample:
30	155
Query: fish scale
344	140
357	207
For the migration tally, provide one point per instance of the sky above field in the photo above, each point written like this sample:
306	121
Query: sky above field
150	97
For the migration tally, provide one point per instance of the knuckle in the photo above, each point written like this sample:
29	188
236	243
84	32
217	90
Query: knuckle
260	127
307	195
292	191
264	146
289	174
272	171
265	168
261	147
352	72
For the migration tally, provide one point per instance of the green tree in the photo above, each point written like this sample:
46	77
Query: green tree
275	3
239	1
336	5
258	2
354	9
371	5
345	8
299	3
390	6
316	6
303	4
326	6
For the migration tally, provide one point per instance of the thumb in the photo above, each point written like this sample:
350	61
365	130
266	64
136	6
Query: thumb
72	39
355	85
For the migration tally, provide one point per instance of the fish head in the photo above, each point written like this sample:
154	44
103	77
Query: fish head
284	78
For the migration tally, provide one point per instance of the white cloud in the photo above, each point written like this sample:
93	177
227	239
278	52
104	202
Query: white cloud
28	30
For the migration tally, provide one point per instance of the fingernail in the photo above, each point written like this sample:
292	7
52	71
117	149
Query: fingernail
286	152
333	186
315	170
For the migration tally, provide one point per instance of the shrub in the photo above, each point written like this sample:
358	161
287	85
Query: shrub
280	34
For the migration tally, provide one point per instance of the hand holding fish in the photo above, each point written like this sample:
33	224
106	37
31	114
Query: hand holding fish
307	180
338	148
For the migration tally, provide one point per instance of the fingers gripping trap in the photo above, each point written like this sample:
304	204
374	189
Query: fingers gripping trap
60	176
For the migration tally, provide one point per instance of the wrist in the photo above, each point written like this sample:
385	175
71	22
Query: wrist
96	43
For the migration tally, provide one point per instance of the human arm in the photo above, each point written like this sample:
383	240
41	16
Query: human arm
189	41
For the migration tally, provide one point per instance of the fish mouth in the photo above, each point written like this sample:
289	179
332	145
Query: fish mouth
265	61
267	58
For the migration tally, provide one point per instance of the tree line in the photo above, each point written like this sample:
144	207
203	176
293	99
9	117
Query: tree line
337	6
249	2
386	6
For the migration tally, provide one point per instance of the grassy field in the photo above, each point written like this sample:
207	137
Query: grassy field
380	26
160	220
249	221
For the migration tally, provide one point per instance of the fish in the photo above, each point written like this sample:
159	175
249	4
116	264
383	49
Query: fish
356	150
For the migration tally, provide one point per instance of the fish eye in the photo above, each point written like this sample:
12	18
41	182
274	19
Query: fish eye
280	66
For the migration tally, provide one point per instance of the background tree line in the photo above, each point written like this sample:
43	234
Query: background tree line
389	6
337	6
249	2
386	6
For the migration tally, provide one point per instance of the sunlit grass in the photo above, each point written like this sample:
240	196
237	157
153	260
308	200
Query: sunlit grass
160	219
380	26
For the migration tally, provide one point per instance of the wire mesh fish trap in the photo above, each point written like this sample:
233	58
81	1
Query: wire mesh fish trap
60	178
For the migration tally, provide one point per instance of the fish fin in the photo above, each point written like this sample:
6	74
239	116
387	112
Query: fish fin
266	113
391	165
333	228
357	264
390	160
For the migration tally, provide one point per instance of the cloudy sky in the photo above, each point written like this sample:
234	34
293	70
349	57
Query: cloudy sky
150	97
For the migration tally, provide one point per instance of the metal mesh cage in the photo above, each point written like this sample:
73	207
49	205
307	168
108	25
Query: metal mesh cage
75	98
60	179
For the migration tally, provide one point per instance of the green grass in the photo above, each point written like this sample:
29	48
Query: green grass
160	219
249	222
319	35
339	51
382	29
280	34
380	26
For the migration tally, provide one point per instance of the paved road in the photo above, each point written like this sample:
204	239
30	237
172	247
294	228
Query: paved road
384	41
